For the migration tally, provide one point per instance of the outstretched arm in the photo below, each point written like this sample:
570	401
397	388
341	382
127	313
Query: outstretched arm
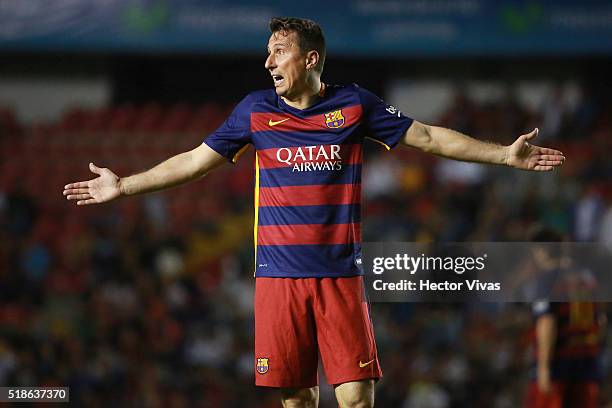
454	145
176	170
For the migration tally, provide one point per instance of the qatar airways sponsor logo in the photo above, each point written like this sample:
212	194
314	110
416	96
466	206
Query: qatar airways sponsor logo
311	158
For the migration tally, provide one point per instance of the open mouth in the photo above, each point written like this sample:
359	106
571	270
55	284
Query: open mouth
278	80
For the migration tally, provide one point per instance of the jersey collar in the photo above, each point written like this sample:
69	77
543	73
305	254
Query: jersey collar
285	106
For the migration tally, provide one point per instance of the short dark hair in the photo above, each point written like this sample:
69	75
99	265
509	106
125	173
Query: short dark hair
310	35
542	234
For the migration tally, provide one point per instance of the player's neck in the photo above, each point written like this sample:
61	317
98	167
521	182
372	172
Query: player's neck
304	100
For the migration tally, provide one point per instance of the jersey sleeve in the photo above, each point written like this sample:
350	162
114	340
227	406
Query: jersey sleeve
385	123
540	308
543	307
234	134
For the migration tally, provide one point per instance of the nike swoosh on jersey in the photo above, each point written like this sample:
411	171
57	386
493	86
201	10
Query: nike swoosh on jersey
274	123
361	365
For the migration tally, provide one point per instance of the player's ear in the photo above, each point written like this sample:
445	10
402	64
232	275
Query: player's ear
312	59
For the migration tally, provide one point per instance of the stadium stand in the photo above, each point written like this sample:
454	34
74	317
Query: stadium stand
147	301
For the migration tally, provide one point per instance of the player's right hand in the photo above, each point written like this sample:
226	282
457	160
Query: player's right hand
544	383
98	190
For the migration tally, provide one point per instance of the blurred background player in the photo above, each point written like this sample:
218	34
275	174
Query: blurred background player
569	336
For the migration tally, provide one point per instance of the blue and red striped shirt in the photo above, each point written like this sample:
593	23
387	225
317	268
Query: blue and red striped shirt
308	175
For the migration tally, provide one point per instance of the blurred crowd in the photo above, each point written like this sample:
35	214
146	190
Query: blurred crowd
148	301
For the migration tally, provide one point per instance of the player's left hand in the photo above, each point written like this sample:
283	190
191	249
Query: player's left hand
524	155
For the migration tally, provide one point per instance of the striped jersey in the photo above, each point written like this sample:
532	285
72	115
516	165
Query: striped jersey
577	347
308	175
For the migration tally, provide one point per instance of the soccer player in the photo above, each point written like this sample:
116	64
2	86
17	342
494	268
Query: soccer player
568	338
568	343
308	139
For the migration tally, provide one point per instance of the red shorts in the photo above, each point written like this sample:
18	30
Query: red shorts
564	395
296	319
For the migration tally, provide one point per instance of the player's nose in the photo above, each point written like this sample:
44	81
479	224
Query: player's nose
270	63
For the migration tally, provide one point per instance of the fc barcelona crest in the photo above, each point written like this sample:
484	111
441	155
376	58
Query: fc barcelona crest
262	365
334	119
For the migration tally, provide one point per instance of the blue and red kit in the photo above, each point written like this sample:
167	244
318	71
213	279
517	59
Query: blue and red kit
309	295
575	367
308	176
